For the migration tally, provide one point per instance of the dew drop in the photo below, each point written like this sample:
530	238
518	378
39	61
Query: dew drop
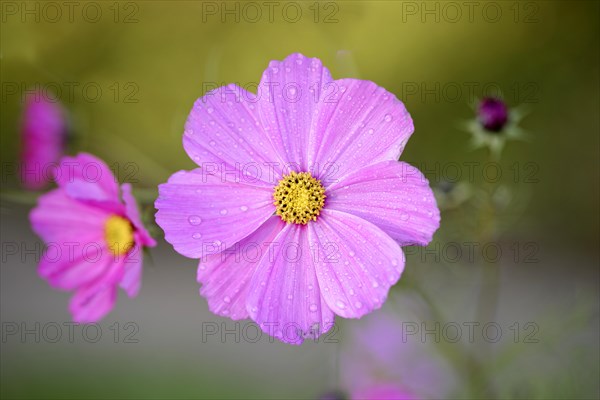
194	220
244	208
224	211
358	304
340	304
313	307
387	118
227	299
196	236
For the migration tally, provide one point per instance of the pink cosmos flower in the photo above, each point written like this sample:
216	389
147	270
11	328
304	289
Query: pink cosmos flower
43	131
299	207
383	392
94	240
387	353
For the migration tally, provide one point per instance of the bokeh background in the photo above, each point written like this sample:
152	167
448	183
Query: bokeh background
152	59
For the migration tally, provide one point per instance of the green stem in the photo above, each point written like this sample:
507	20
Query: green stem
489	292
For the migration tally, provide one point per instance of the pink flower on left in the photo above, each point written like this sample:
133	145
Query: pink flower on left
43	136
94	240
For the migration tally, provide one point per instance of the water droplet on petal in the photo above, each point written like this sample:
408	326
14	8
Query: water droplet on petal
340	304
313	307
244	208
194	220
358	304
387	118
224	211
196	236
227	299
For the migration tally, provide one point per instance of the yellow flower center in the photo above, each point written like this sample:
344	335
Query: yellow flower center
299	198
118	233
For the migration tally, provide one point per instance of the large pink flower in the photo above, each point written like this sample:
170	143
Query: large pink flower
43	135
299	207
94	240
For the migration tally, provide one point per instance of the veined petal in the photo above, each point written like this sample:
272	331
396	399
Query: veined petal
284	297
223	134
358	264
59	219
131	210
76	265
225	277
87	178
393	195
288	98
358	124
203	214
92	302
132	269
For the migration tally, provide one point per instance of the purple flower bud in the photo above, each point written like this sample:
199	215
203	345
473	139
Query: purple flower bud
492	114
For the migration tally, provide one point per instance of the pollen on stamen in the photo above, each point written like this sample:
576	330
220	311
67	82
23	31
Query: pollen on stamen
299	198
118	233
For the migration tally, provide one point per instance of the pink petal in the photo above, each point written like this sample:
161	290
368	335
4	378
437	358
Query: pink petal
88	179
358	262
132	213
132	274
359	123
392	195
90	305
77	266
223	135
43	130
288	99
58	218
225	277
92	302
383	391
202	214
284	297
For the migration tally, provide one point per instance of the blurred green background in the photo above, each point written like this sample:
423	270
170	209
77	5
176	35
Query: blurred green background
152	59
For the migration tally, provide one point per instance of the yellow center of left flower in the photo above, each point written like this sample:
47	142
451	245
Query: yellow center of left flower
299	198
118	233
